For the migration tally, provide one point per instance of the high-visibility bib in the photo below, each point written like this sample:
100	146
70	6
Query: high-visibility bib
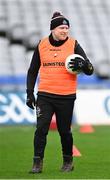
53	76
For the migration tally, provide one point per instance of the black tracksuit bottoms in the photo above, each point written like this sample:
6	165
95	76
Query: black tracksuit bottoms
63	109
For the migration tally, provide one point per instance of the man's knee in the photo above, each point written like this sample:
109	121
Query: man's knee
41	132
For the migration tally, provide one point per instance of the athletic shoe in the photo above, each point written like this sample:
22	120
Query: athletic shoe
67	167
37	166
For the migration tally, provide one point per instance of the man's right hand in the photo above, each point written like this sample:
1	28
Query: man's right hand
30	101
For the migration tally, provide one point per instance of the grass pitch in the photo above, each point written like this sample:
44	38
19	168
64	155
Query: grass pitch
16	152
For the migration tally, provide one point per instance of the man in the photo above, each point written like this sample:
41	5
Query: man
56	89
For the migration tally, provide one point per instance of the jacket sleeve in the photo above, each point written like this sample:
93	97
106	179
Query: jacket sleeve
88	68
33	70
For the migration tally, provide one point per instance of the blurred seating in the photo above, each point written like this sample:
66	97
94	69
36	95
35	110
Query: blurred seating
24	22
5	61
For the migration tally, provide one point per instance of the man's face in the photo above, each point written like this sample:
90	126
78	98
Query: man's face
60	32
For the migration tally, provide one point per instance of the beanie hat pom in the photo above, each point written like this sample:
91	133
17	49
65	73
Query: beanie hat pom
56	14
57	20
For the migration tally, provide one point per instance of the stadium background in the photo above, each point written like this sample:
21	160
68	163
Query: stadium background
22	24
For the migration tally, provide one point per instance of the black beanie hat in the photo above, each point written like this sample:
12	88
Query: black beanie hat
57	20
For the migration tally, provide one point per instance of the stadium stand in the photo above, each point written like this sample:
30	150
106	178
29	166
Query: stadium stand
24	22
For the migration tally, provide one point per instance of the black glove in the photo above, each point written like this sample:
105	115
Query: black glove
81	65
77	64
30	102
88	68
